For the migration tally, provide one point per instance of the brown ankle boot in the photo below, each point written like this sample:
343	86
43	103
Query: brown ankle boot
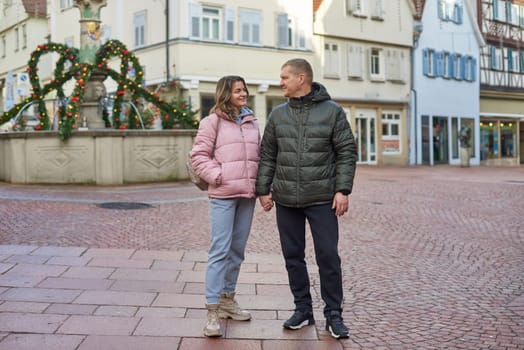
212	328
228	308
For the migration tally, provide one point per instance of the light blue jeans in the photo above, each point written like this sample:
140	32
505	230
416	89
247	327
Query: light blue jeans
230	221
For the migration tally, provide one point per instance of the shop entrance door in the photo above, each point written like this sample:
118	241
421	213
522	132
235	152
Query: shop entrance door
440	140
365	136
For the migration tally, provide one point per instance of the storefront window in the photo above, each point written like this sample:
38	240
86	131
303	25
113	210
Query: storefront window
488	139
508	132
497	139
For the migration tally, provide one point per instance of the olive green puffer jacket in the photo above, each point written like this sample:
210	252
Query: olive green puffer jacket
308	151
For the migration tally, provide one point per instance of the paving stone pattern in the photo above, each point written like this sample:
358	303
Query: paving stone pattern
433	258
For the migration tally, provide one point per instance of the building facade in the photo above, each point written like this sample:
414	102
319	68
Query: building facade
23	25
362	54
501	82
201	42
446	83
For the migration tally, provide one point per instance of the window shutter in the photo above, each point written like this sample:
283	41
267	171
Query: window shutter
230	25
492	57
282	27
521	55
460	12
495	6
462	75
452	60
473	67
195	12
509	14
510	60
441	9
354	61
425	61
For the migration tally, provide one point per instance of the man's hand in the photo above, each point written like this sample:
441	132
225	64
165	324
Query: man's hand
340	204
266	202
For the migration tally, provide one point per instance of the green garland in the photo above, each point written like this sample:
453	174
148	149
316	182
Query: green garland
176	114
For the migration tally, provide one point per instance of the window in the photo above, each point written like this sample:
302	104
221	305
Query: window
24	36
230	25
139	24
331	60
450	10
284	32
354	64
499	10
391	132
513	61
376	70
378	10
495	59
356	7
428	62
211	23
250	24
290	33
65	4
498	139
458	67
445	65
470	68
513	14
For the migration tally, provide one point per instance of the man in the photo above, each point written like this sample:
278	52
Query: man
307	167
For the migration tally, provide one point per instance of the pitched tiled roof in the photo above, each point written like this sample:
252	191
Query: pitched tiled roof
316	5
35	8
419	8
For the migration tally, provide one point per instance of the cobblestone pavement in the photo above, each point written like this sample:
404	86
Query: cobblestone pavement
433	258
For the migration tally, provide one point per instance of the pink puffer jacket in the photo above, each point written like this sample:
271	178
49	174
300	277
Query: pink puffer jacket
233	171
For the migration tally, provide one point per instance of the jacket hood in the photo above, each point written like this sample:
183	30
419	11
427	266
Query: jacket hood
318	94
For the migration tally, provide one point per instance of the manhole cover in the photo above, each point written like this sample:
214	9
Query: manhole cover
124	205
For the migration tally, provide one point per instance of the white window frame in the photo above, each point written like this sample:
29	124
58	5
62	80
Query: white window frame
250	27
390	119
211	23
376	64
139	28
331	60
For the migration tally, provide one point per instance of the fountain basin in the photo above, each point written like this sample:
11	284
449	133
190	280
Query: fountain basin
101	157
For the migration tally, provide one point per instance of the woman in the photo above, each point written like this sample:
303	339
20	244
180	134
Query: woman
225	154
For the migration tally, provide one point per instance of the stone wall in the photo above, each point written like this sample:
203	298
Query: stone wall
102	157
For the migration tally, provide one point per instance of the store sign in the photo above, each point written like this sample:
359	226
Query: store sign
23	86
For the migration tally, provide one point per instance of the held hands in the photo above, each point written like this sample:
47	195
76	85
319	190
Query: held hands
266	202
340	204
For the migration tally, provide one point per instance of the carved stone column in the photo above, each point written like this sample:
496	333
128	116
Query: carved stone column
89	45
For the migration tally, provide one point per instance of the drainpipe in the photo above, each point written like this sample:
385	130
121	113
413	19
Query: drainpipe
417	30
167	42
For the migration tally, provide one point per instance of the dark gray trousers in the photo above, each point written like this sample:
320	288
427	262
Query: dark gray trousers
323	222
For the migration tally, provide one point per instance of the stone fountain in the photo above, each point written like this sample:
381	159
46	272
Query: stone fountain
87	151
